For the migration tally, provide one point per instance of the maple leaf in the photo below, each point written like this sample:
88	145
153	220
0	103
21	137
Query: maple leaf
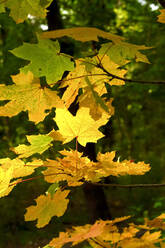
146	241
95	103
5	177
19	168
81	126
96	78
72	168
19	10
82	34
88	100
122	52
27	94
11	169
47	207
106	166
44	51
38	144
157	222
80	233
161	17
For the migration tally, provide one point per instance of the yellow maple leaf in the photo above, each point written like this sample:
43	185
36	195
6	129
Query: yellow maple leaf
106	166
19	168
161	17
81	126
80	233
82	34
77	78
5	177
87	100
72	168
27	94
47	207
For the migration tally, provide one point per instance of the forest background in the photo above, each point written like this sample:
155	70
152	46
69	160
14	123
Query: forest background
136	130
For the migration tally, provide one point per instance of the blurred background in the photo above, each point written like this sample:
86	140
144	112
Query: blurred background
136	131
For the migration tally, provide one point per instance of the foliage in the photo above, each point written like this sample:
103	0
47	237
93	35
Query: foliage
85	81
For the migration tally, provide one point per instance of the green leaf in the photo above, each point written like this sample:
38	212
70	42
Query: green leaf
122	52
46	60
39	144
53	188
20	9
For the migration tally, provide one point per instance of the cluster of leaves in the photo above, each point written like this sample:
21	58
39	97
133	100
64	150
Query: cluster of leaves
37	89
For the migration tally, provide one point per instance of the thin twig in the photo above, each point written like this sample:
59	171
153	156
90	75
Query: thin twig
130	80
87	75
117	77
36	177
129	185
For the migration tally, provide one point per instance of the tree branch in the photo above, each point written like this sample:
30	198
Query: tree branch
130	80
129	185
114	76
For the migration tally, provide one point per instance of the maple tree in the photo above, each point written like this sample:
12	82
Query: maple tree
37	89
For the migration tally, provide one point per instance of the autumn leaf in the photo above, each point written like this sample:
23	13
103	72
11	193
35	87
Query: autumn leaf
106	166
161	17
78	78
38	144
82	34
14	168
81	126
46	60
122	52
72	168
94	103
5	177
80	233
146	241
19	10
19	168
27	94
47	207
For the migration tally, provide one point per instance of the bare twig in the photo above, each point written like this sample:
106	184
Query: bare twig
130	185
114	76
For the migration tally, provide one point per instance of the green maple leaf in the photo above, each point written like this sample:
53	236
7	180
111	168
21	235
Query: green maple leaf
27	94
20	9
38	144
45	58
122	52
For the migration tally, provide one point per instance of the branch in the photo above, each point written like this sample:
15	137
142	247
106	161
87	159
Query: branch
114	76
162	3
129	185
87	75
130	80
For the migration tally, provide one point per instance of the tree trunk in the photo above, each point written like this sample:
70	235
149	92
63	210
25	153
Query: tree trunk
95	197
